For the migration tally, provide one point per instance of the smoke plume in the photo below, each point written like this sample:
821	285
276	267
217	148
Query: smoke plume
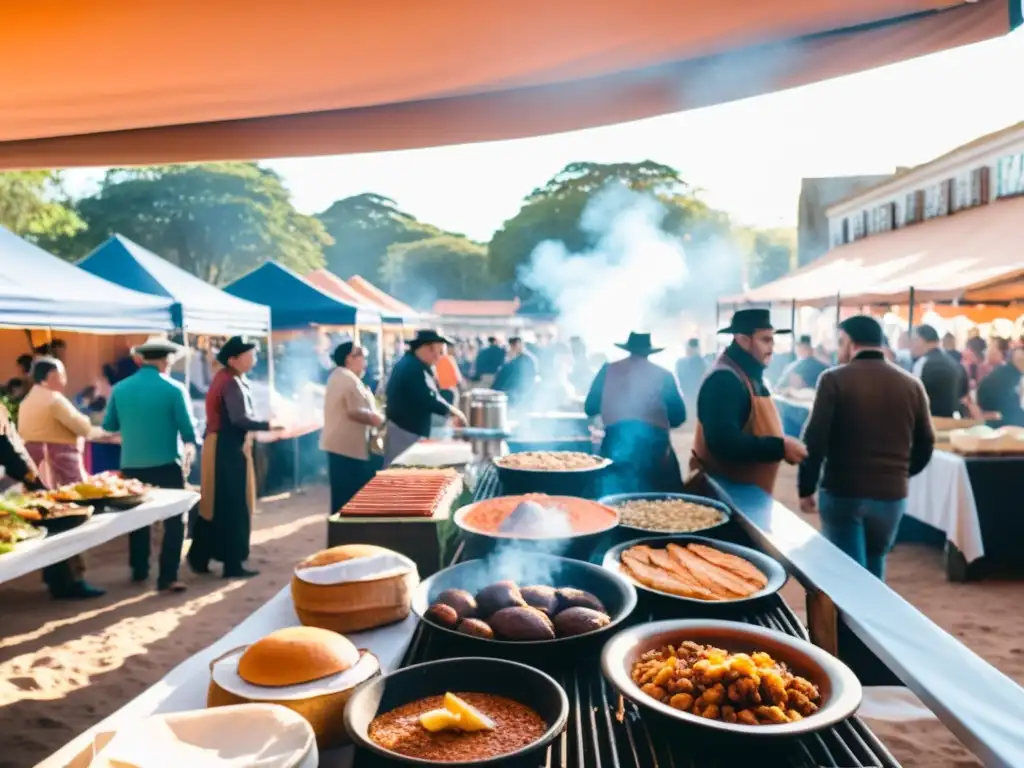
623	282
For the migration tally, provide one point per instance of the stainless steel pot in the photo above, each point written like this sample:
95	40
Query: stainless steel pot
485	408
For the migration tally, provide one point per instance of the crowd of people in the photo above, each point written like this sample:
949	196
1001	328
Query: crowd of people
147	417
869	430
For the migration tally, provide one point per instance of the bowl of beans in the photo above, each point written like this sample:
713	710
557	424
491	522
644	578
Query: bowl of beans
559	473
668	512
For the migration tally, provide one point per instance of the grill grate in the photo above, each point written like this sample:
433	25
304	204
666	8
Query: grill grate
600	735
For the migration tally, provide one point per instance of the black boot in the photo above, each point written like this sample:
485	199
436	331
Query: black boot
79	590
238	571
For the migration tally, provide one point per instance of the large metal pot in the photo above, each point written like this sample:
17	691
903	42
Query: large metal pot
485	408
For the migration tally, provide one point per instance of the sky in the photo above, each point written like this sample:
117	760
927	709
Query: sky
747	157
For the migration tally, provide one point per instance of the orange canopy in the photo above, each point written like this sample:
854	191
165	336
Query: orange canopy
121	81
329	282
971	257
386	301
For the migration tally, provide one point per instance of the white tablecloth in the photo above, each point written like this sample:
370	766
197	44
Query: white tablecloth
184	687
30	556
941	496
443	453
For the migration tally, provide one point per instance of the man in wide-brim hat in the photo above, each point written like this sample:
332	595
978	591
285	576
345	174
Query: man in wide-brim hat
228	475
153	414
639	402
413	395
739	434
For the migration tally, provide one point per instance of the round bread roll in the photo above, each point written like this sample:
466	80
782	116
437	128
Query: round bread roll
341	554
296	655
353	587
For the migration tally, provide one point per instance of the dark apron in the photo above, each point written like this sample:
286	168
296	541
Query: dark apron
645	461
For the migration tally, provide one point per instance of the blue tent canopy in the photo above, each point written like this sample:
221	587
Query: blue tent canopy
198	306
39	290
295	302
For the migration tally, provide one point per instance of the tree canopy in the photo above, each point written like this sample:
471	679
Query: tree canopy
363	228
446	266
32	206
216	220
768	253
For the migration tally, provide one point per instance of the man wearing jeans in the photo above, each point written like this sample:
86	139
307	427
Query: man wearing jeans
872	429
151	411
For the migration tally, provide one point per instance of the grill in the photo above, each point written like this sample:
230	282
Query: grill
604	734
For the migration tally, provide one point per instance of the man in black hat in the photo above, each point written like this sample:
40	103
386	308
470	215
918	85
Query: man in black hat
228	477
638	402
804	372
871	429
739	433
413	396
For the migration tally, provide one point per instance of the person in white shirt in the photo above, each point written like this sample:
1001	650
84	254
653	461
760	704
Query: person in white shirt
350	413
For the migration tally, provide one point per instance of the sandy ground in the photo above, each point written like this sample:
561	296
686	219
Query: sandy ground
64	666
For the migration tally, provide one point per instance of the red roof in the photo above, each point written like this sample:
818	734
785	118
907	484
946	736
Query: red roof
461	308
334	285
376	296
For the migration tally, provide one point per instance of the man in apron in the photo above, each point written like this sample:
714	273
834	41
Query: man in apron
413	396
638	402
739	433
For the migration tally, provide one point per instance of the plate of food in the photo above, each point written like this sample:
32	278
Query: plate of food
564	473
466	711
54	516
731	677
697	570
543	603
668	512
106	489
15	529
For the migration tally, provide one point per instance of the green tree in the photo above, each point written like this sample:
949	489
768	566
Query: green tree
768	254
447	267
33	205
364	227
216	220
554	211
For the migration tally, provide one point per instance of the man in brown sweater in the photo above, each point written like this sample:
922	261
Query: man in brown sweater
872	429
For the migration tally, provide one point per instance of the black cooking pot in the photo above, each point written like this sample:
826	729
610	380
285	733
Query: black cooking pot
528	568
519	682
582	483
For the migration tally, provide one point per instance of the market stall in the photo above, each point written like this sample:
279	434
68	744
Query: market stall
199	308
29	556
299	308
846	604
39	290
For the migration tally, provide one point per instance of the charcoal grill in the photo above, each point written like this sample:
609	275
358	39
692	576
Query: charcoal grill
604	732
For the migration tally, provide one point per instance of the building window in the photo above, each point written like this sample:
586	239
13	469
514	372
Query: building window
845	231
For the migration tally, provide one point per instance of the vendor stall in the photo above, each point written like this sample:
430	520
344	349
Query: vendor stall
199	308
33	555
39	290
298	307
846	606
943	506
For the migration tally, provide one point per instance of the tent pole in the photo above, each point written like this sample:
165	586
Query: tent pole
839	317
270	363
792	317
188	362
910	310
